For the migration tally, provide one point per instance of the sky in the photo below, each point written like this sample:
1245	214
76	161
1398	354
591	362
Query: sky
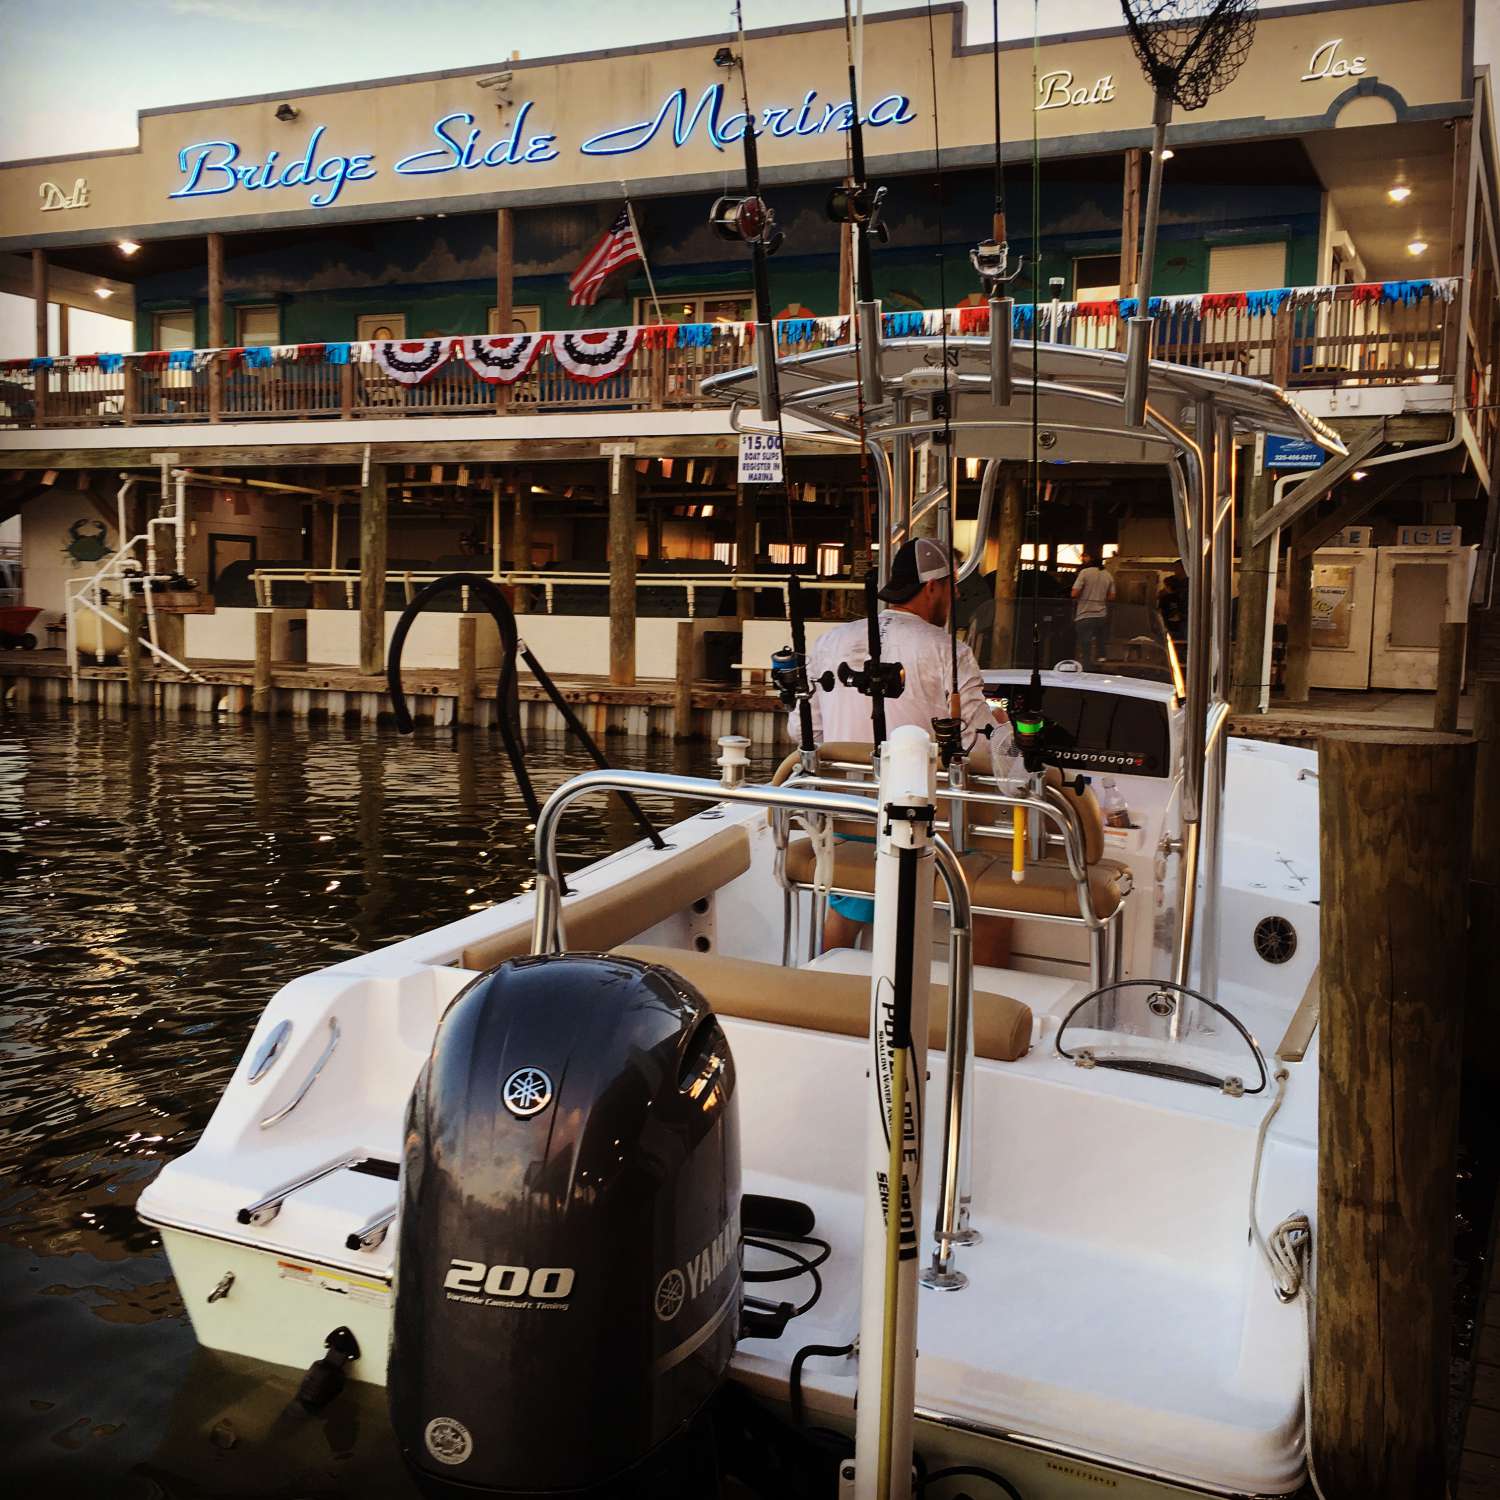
74	73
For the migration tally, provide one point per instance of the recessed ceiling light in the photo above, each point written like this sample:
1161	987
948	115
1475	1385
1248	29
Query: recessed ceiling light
1417	247
1399	194
126	247
104	292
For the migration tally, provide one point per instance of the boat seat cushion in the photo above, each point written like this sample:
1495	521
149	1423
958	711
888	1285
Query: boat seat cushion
597	921
1048	889
824	1000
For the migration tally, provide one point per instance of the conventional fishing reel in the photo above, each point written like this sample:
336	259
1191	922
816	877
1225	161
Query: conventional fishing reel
746	221
876	679
859	204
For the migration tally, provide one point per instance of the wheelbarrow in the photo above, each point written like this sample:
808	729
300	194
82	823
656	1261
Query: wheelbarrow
14	620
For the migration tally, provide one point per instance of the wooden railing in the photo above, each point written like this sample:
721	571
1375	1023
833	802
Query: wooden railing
1314	337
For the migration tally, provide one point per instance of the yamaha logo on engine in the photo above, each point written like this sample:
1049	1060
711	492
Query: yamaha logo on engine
527	1092
679	1287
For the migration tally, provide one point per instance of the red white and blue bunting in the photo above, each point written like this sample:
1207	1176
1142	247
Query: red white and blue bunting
411	361
503	359
595	354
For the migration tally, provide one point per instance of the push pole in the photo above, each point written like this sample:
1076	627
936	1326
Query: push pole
900	990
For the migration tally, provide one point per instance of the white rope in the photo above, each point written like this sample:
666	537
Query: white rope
1288	1253
823	840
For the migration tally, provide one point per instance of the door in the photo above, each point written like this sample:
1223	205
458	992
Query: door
225	548
381	326
1416	589
1342	617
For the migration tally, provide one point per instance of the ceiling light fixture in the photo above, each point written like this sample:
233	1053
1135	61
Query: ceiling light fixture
126	247
1399	194
104	293
1167	153
1361	473
1417	247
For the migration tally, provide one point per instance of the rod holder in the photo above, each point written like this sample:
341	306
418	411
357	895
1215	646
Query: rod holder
1137	361
1002	383
868	314
765	373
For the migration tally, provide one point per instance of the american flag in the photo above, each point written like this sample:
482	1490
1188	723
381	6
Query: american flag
616	247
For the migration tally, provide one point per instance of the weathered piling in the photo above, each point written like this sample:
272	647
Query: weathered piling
1482	1020
468	672
682	688
1450	675
134	651
260	687
1396	812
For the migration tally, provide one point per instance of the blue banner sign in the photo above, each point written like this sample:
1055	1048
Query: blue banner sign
211	168
1293	453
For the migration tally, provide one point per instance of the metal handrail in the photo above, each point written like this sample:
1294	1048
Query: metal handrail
547	938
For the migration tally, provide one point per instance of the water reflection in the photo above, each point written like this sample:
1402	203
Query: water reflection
164	878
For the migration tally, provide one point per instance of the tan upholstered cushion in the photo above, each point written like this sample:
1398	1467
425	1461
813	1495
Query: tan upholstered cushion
822	1000
596	922
1048	888
1090	815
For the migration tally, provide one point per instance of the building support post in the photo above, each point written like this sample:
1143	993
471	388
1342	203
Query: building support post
1396	812
505	286
1250	673
1007	568
1130	225
260	692
372	557
744	547
468	674
135	623
521	541
39	297
62	327
1299	569
622	568
215	324
1450	675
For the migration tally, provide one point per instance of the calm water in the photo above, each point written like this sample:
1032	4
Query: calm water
162	880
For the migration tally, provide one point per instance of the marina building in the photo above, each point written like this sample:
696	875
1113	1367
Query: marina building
368	347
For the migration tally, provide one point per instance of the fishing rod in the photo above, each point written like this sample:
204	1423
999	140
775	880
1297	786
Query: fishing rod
877	679
789	673
948	729
991	257
856	203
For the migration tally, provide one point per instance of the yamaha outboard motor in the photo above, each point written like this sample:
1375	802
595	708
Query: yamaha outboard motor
567	1291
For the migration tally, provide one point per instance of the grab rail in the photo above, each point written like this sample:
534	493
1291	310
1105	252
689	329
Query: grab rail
547	924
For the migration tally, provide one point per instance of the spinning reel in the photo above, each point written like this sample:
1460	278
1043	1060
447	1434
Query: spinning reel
991	260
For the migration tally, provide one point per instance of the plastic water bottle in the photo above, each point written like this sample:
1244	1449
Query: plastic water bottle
1116	814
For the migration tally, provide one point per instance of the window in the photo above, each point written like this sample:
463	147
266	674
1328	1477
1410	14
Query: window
372	326
708	307
526	319
173	329
725	552
1096	278
257	325
782	555
829	554
1246	268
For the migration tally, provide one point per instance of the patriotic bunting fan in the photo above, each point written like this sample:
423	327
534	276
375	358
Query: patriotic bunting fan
596	354
503	358
412	361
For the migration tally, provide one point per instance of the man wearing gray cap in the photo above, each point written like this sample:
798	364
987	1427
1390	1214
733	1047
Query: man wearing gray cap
913	631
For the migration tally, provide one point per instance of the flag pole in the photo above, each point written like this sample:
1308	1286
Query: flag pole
640	245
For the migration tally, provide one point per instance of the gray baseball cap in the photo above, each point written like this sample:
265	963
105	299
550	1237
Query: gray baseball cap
918	562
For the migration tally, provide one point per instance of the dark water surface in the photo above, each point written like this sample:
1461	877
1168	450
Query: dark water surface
162	879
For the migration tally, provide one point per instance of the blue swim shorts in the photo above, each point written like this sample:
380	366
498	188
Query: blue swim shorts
855	908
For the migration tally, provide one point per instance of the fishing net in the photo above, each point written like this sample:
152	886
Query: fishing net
1190	49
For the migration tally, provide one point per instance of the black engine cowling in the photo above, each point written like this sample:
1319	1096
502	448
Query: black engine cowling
567	1288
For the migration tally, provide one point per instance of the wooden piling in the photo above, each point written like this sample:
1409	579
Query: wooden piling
1249	668
1396	811
1450	675
682	691
744	547
260	691
1299	567
134	651
1482	1019
622	569
372	543
521	541
468	674
1007	568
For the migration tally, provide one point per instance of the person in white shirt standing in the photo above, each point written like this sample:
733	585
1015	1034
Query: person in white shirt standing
1094	592
913	631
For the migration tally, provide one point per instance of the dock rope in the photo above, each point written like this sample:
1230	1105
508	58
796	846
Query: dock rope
1288	1253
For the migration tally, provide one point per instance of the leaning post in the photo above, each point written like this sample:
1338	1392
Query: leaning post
1450	675
1395	813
